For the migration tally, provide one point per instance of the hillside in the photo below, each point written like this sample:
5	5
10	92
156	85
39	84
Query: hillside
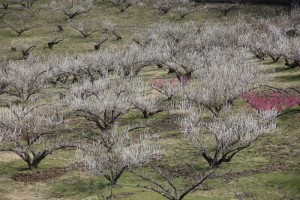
267	168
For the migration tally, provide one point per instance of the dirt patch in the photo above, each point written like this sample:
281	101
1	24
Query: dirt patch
37	176
125	194
164	125
172	172
8	156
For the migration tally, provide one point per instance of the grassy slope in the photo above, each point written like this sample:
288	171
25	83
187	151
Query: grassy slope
277	156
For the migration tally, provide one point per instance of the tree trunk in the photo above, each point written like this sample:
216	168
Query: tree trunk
75	79
5	5
117	36
145	114
160	66
97	47
25	54
293	64
184	78
260	56
60	28
50	45
274	58
34	164
171	71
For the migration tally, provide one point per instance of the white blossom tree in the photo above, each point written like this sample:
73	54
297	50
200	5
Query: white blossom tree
163	6
102	101
273	36
276	44
24	46
143	100
62	68
3	81
183	8
175	46
165	182
29	118
112	152
229	132
86	26
71	8
180	7
26	78
182	48
123	5
92	66
228	75
20	24
32	11
83	67
54	39
25	129
110	28
131	60
292	57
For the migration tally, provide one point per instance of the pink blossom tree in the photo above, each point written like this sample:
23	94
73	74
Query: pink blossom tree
167	87
274	100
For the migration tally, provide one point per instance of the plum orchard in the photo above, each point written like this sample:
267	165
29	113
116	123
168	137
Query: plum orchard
212	66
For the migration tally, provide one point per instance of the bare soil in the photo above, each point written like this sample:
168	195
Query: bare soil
37	176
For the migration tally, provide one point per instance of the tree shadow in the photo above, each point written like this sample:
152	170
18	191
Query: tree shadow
13	167
282	69
76	186
289	78
289	113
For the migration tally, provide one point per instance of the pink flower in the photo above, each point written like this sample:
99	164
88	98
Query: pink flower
275	100
161	83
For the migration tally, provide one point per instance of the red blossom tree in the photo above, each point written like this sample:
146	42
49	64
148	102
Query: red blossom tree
275	100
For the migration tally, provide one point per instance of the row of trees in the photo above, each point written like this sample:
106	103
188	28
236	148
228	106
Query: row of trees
73	8
276	37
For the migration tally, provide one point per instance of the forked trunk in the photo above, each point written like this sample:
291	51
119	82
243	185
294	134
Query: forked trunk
274	58
5	5
171	71
50	45
294	64
34	163
146	114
